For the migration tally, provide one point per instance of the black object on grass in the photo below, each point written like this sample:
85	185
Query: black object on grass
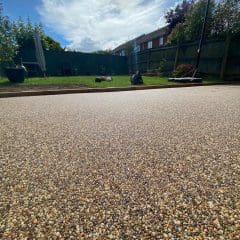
136	78
15	75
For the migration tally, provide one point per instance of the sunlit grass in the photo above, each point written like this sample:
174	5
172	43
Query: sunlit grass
89	81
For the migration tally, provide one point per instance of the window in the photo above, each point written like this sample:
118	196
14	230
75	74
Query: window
149	44
137	48
122	53
161	41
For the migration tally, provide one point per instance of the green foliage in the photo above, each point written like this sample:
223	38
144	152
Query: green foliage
178	14
183	70
8	45
24	35
227	18
15	36
50	44
195	18
162	64
190	29
223	19
177	35
24	32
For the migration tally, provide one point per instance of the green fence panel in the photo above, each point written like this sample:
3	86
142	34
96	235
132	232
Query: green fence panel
210	61
233	62
76	63
71	63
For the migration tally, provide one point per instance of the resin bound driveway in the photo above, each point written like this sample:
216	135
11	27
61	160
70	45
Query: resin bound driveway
153	164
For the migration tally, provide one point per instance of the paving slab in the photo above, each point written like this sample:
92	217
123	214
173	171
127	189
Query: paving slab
151	164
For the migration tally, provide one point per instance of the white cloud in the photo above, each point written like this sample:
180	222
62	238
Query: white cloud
90	25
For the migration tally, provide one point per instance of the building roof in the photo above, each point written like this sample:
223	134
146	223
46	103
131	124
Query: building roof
144	38
157	33
122	46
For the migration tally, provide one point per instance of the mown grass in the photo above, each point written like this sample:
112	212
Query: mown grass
89	81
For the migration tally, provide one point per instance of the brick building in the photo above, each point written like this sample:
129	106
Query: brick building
151	40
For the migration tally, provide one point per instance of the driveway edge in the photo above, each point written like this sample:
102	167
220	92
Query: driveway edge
99	90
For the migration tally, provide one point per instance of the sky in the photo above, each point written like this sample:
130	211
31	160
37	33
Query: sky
91	25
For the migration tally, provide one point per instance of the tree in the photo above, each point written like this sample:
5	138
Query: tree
24	33
50	44
178	15
227	18
190	28
195	18
8	45
16	36
178	34
24	36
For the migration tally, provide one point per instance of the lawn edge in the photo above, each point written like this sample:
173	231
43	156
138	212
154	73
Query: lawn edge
99	90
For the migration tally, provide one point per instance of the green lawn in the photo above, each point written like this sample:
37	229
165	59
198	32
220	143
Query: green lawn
89	81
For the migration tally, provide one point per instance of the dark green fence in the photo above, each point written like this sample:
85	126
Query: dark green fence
212	58
75	63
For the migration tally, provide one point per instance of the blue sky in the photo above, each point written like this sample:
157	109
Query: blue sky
28	8
90	25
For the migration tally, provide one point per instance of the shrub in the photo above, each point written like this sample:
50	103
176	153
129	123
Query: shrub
162	64
183	70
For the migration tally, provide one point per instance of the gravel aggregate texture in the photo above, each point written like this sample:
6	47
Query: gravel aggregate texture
151	164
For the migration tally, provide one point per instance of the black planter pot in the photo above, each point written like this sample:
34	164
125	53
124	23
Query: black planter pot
15	75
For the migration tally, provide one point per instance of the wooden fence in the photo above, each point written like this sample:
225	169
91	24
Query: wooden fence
219	57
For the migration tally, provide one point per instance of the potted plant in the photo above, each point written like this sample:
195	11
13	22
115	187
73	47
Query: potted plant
16	74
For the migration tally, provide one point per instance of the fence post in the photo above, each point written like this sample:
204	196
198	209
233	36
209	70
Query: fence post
148	63
129	62
1	71
176	57
225	56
